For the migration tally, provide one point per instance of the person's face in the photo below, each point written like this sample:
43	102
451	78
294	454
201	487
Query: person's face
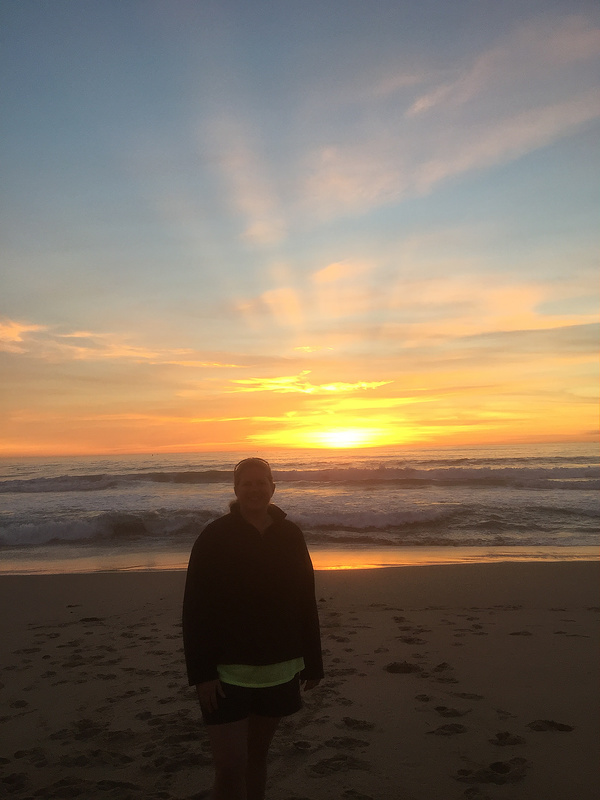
254	489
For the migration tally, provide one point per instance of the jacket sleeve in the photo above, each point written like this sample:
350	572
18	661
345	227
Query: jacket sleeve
313	657
199	622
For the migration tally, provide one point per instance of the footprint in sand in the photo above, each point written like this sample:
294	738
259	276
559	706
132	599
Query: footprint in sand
35	756
346	743
67	787
441	673
96	757
303	746
16	781
549	725
335	673
448	730
352	794
340	763
504	714
357	724
507	739
444	711
499	772
475	793
291	797
402	668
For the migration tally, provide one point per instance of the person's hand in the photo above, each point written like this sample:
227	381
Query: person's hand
310	684
209	693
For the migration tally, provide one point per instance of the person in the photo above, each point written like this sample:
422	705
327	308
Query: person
250	630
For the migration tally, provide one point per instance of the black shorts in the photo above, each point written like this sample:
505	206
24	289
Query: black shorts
242	701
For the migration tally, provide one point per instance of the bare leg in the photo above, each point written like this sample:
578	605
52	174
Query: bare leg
260	734
229	743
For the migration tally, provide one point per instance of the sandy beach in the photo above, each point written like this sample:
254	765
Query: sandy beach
458	681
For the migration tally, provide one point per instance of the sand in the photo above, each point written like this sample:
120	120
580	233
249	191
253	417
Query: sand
473	681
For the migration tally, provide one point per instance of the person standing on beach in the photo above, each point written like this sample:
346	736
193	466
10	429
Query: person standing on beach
250	630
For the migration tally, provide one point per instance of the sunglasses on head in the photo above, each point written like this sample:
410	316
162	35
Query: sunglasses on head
251	461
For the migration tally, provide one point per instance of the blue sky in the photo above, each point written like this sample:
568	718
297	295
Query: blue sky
232	223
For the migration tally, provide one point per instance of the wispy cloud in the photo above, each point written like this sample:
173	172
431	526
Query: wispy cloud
52	345
245	174
308	348
458	305
528	57
284	304
298	384
564	342
510	137
13	335
532	87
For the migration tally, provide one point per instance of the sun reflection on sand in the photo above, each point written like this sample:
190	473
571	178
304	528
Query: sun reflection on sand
68	559
341	559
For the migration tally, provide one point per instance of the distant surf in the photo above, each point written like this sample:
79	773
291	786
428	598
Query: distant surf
537	496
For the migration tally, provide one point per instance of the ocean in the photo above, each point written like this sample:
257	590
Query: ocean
361	508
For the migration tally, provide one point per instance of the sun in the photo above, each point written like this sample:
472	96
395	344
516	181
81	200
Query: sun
328	437
345	437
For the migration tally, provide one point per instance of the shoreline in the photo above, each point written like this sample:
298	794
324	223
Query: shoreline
454	681
69	559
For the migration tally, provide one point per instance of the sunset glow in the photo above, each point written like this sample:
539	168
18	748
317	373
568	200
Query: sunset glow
333	438
348	437
235	226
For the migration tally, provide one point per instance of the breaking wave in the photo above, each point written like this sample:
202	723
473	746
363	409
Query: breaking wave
495	497
439	525
557	477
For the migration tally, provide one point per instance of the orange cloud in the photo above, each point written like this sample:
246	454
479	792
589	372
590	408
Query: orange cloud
81	345
298	384
284	305
11	334
312	348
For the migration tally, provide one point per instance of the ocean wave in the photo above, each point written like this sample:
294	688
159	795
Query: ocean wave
137	533
368	521
434	524
167	524
558	477
102	482
514	477
107	528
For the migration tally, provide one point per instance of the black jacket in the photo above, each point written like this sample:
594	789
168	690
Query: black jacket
250	598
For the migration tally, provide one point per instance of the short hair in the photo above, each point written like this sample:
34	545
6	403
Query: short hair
251	462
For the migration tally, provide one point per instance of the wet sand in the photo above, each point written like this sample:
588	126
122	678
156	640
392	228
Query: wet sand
458	681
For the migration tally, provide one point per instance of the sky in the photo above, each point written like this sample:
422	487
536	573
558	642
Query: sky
325	223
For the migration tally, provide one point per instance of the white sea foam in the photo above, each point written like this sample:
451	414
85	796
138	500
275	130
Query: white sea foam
485	497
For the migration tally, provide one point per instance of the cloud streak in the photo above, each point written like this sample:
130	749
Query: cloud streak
245	176
298	384
13	335
354	222
42	342
522	94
